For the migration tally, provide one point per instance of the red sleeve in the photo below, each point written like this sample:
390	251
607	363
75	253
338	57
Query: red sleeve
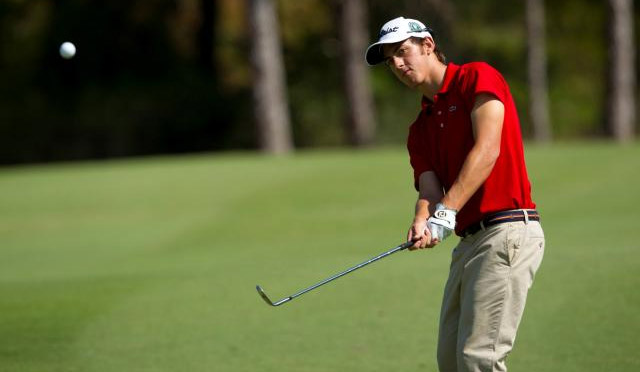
418	156
481	78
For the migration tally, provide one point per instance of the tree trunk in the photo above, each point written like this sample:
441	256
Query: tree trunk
361	124
208	11
269	87
537	71
621	79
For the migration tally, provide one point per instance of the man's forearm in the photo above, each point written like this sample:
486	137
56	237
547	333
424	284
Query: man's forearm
422	210
430	194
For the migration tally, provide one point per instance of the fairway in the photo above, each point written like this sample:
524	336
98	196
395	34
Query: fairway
151	264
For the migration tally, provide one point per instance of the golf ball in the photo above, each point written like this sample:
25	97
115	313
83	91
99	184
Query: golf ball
67	50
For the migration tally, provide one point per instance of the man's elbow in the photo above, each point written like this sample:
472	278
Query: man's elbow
490	155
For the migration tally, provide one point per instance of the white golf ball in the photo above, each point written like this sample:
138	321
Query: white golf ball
67	50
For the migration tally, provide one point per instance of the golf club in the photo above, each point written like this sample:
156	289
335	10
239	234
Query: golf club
354	268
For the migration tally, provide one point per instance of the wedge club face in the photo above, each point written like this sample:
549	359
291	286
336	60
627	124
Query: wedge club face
267	300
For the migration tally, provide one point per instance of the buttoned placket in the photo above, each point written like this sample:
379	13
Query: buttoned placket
440	103
440	117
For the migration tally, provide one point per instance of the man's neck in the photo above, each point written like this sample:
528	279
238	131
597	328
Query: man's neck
432	84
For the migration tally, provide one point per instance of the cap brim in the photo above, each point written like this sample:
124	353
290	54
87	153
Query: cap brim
374	55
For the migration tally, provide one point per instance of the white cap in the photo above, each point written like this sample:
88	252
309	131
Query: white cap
396	30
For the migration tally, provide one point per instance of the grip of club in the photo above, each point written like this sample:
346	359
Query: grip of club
407	244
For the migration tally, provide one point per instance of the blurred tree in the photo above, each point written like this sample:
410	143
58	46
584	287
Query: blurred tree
152	77
537	71
576	52
135	86
443	10
621	77
353	31
269	89
311	48
208	10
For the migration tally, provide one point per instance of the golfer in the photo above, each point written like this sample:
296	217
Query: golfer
466	151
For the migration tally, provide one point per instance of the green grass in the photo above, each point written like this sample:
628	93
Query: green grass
150	264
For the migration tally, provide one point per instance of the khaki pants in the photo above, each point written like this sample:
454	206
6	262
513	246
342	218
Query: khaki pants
490	275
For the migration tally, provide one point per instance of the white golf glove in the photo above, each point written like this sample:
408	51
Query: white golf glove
442	223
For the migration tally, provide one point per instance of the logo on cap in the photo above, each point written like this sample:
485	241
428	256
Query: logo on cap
415	27
388	31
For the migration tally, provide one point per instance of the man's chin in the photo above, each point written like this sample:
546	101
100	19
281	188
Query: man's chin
410	83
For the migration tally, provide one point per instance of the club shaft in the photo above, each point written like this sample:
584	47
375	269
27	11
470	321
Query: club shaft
354	268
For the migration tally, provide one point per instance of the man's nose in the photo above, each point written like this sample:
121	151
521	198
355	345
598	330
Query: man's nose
396	62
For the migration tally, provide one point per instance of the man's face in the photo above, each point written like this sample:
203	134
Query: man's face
407	61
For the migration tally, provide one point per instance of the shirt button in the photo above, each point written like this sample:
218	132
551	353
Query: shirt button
441	125
439	112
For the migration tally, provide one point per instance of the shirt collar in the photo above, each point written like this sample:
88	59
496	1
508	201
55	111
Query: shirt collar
449	75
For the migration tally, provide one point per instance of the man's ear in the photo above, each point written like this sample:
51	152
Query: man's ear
428	44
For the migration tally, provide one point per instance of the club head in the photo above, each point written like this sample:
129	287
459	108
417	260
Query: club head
264	295
268	301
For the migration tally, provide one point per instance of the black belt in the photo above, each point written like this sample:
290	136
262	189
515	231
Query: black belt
516	215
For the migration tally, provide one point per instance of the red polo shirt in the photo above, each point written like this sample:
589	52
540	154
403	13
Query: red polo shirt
442	136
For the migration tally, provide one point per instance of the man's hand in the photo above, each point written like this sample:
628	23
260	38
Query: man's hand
419	234
442	223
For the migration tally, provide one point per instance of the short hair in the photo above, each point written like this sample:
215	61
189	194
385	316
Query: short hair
437	51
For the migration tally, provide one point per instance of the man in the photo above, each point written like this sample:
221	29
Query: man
466	151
